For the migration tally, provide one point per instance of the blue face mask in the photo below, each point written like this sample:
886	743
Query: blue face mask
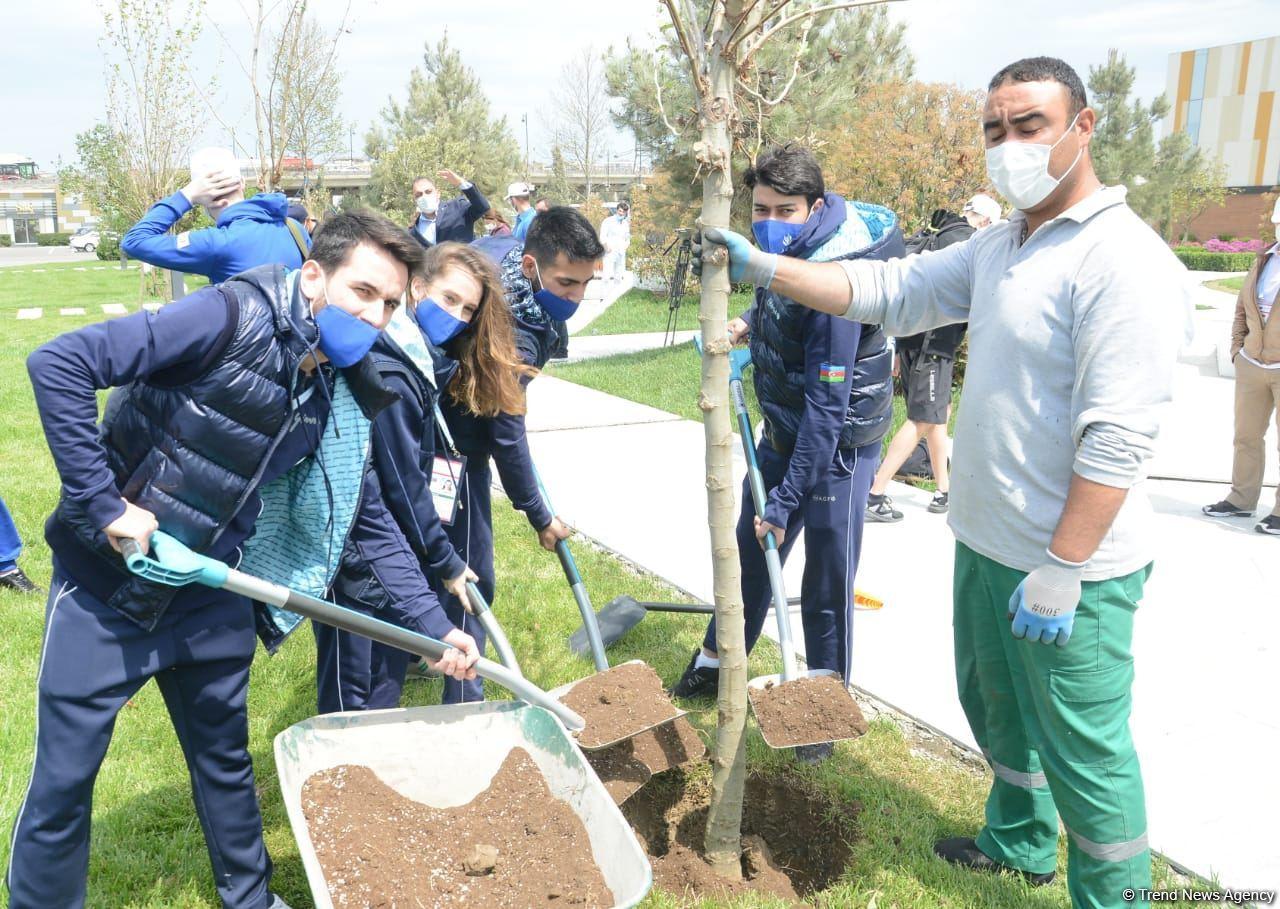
344	339
438	325
556	307
776	236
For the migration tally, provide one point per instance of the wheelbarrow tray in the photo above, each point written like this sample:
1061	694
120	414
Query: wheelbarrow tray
444	757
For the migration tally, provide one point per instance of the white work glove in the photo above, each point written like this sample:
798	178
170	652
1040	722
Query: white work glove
1043	607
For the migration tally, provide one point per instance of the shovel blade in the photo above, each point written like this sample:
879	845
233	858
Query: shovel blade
592	745
772	735
616	619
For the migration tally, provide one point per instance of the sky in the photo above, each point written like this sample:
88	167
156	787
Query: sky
518	49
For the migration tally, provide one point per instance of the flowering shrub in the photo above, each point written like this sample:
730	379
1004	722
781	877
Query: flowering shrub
1234	246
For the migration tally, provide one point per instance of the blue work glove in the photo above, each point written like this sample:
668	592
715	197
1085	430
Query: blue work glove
1043	607
746	263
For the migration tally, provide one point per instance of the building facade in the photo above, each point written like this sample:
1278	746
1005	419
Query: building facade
1225	99
31	203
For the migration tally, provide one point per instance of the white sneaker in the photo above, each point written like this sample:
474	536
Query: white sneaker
277	903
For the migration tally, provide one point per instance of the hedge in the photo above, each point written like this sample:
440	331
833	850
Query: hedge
58	239
5	240
108	248
1198	259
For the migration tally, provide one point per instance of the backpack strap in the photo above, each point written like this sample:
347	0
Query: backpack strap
300	238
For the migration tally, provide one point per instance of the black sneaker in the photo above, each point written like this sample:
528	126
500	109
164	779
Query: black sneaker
813	754
941	502
960	850
880	508
697	681
1225	509
16	580
1270	524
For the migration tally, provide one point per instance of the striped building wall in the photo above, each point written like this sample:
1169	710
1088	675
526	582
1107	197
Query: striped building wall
1225	98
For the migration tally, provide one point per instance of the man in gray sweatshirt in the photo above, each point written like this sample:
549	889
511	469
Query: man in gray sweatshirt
1076	313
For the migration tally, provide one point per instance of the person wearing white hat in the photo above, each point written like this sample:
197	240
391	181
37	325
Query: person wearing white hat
981	211
246	232
518	195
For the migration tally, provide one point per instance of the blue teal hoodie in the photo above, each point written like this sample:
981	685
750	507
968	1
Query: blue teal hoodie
248	234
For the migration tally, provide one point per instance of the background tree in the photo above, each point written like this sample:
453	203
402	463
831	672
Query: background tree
558	189
443	122
307	107
1169	183
581	117
914	147
140	153
717	45
795	87
291	68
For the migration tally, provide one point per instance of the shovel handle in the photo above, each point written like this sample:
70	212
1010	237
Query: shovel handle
489	622
571	573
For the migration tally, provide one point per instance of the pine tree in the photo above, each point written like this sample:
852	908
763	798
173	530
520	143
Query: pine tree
443	123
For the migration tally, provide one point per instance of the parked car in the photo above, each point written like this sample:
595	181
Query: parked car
84	240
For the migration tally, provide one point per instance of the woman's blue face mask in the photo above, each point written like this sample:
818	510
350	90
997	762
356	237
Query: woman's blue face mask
556	307
344	338
438	325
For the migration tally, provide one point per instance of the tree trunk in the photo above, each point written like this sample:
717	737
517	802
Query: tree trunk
724	821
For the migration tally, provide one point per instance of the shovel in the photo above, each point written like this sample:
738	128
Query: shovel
592	630
177	566
740	359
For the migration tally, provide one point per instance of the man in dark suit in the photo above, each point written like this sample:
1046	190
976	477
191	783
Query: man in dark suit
437	222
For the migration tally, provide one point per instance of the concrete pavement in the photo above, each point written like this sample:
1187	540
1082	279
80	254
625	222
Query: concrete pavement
631	477
44	255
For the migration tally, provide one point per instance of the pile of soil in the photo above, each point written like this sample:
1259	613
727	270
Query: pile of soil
380	849
628	765
807	710
796	839
618	702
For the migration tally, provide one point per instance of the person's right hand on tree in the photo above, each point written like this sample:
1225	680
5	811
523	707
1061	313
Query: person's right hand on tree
746	263
205	188
135	524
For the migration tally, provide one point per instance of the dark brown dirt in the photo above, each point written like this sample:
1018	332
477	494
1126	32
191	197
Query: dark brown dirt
669	745
381	850
628	765
807	710
796	838
620	770
618	703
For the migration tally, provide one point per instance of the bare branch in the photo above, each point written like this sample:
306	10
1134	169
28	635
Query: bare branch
795	70
695	57
760	42
657	84
746	14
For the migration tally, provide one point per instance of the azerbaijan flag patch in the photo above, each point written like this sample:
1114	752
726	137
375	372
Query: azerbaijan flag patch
831	372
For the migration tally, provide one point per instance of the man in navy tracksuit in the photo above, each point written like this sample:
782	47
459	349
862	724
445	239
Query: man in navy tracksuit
825	388
545	279
396	544
217	395
440	222
247	232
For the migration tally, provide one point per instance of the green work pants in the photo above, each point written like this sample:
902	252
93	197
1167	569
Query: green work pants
1053	723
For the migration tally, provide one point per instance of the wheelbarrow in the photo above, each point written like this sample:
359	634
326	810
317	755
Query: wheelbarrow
468	743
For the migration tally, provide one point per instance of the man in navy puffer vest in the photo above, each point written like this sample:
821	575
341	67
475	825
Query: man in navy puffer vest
826	392
217	394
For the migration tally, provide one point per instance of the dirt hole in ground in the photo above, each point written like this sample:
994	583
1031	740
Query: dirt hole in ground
806	835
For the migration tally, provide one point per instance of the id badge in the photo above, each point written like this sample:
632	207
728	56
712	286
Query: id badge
447	475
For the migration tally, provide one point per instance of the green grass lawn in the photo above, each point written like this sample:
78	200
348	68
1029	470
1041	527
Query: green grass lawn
642	310
1230	285
147	847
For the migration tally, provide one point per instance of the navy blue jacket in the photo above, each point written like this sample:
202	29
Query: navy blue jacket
397	510
455	219
248	234
67	372
823	382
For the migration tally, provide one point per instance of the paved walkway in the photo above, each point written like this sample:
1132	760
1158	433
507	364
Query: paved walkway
43	255
1206	643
